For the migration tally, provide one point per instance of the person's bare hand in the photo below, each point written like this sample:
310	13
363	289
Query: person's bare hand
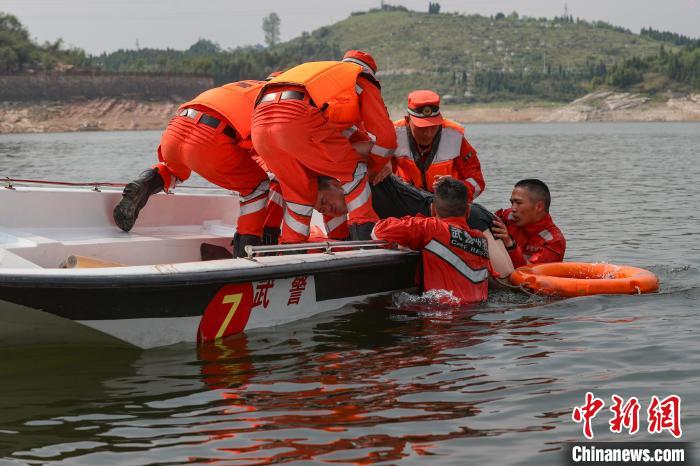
438	178
500	231
382	174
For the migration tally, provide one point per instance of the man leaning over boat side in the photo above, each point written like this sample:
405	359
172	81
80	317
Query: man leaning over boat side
301	129
527	228
454	256
209	135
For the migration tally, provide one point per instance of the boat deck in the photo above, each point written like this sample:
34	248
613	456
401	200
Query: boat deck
42	231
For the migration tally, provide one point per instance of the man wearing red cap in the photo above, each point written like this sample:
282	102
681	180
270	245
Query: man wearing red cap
431	147
304	126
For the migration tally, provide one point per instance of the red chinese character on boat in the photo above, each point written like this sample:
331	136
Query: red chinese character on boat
665	415
298	287
625	416
587	412
261	289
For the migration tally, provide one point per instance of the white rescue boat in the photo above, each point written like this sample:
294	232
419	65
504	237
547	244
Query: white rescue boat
149	287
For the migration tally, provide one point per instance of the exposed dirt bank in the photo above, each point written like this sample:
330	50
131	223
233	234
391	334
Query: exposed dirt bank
129	114
85	115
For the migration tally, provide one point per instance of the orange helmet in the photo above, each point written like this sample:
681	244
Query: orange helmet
363	59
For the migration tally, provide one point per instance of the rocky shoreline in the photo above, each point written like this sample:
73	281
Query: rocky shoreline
622	106
114	114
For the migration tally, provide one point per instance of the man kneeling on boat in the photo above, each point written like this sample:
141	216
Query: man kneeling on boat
454	256
210	135
527	229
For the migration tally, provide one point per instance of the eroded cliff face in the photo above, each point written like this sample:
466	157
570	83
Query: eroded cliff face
107	114
623	106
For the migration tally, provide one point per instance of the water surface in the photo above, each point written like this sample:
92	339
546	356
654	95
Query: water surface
372	385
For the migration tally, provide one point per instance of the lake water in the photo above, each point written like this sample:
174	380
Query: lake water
370	385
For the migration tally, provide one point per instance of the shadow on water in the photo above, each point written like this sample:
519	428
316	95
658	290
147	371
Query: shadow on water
42	385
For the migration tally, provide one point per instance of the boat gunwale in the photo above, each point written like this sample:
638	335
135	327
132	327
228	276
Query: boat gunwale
230	275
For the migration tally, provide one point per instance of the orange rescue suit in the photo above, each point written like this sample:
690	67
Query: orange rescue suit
330	84
348	98
453	156
538	243
219	152
454	257
234	101
301	127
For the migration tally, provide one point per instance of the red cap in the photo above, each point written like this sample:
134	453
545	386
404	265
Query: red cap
424	108
361	58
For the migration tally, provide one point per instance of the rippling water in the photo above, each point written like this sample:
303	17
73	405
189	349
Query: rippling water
371	384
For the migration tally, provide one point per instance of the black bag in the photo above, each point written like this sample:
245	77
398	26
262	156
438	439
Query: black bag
480	218
395	198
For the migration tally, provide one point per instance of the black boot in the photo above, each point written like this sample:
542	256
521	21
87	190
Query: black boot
271	236
135	196
241	241
361	232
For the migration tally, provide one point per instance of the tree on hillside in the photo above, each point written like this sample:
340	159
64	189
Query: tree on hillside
271	28
10	24
433	8
204	47
9	61
19	53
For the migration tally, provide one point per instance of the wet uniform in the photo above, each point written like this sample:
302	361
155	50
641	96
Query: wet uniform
454	256
536	243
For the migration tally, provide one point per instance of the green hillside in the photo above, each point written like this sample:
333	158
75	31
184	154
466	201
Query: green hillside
458	54
429	42
465	58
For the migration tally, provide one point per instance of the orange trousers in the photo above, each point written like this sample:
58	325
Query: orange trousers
187	146
298	144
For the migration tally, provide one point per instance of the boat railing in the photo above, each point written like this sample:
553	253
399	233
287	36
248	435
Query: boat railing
326	246
95	185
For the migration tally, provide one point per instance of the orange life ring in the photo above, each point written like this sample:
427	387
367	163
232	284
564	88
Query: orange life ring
570	279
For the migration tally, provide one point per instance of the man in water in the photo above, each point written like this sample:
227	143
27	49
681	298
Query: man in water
527	229
454	257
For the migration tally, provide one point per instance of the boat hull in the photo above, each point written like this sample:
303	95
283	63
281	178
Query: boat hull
155	309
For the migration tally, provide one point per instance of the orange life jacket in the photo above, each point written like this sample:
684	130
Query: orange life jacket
447	151
234	101
330	84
